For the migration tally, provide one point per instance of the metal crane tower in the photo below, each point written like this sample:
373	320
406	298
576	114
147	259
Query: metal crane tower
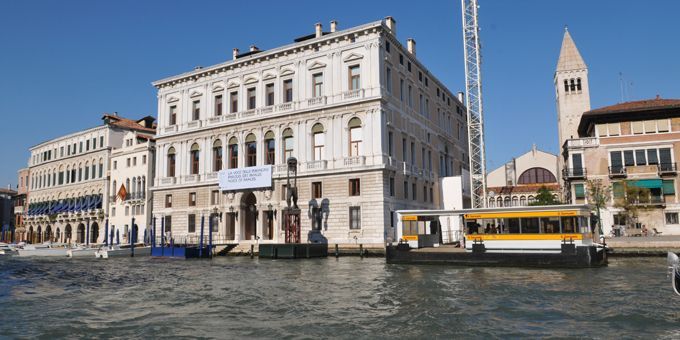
473	101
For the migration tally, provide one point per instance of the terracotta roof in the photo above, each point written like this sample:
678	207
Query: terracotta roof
147	137
529	188
126	123
7	191
656	108
639	105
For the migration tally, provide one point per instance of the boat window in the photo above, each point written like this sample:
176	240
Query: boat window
550	225
513	225
530	226
568	224
584	227
409	228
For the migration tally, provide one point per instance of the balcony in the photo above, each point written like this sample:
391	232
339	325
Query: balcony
211	176
191	178
393	163
248	113
214	120
317	165
353	94
168	181
194	124
316	101
135	196
280	170
265	110
575	173
618	171
171	128
667	169
355	161
650	200
284	107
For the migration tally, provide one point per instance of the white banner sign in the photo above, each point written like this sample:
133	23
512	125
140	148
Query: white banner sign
246	178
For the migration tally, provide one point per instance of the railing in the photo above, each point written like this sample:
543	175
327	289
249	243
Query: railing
194	124
215	120
316	165
355	161
650	200
211	176
248	113
135	196
168	180
281	169
393	162
574	173
284	106
667	168
265	110
353	94
316	101
191	178
408	169
617	171
171	128
230	116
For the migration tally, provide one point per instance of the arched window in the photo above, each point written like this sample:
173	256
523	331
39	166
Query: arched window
194	158
171	162
251	150
536	176
523	201
114	188
515	201
531	199
492	202
506	201
270	148
288	146
233	153
355	137
127	187
499	201
87	171
217	155
578	84
318	142
101	168
572	85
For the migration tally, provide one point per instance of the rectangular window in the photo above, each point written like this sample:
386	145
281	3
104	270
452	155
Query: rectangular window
218	105
284	192
640	158
196	110
134	161
173	115
668	186
387	46
672	218
405	190
410	96
413	153
128	162
319	141
354	77
269	91
87	145
652	157
354	187
101	141
317	85
579	191
316	190
404	150
168	224
618	190
392	186
192	199
80	149
288	90
420	76
637	127
650	126
215	197
390	143
663	125
388	80
401	90
414	192
614	129
408	66
617	161
168	201
192	223
628	158
252	98
401	59
233	102
355	217
143	159
665	158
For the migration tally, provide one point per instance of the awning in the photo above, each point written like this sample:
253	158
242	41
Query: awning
647	183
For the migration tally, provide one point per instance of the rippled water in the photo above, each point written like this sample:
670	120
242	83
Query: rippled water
346	298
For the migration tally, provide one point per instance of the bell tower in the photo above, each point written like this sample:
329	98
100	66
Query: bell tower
571	89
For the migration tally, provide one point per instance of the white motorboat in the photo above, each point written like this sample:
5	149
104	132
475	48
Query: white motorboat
117	251
674	271
42	250
82	252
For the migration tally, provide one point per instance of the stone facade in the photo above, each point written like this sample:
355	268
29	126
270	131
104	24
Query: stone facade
349	105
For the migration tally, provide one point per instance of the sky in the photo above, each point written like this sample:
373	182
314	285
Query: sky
65	63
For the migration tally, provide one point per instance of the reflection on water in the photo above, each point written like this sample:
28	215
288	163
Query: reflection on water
345	298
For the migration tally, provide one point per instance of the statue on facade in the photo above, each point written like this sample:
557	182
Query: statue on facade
291	189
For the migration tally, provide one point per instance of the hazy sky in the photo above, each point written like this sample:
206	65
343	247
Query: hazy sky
64	63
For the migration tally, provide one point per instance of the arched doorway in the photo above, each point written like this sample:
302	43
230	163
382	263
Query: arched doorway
38	235
94	232
67	233
135	233
48	233
57	235
249	205
30	235
80	233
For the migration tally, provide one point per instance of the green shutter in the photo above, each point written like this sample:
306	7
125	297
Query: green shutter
646	183
580	192
668	187
618	190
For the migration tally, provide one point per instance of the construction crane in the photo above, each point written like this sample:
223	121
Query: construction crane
473	101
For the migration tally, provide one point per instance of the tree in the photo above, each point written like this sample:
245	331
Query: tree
630	202
598	196
544	197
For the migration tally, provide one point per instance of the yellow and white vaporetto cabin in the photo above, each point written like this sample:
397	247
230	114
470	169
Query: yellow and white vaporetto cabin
511	229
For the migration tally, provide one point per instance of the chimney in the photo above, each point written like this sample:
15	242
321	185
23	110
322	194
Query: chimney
254	48
334	26
461	97
318	30
411	46
234	53
392	25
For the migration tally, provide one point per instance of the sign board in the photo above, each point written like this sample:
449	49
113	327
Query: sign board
246	178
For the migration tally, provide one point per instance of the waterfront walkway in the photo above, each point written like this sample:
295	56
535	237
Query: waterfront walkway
643	245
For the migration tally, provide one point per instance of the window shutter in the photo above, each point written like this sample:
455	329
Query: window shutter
579	191
668	187
618	189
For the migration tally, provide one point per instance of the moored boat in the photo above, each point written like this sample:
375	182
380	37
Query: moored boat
42	250
82	252
674	271
117	251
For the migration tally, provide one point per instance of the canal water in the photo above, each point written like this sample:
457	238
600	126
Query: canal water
235	297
